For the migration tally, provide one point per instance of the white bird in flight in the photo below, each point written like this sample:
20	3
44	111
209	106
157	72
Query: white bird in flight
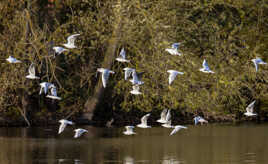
200	119
59	50
71	39
256	62
174	49
136	78
53	91
172	75
168	124
105	75
144	122
63	124
44	87
206	68
128	72
177	128
79	132
135	90
129	130
162	116
250	108
31	71
122	57
11	59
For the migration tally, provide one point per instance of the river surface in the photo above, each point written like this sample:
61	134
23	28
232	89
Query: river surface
207	144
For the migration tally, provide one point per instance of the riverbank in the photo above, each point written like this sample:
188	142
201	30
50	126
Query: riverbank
121	118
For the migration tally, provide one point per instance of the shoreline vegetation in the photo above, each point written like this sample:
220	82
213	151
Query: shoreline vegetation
227	34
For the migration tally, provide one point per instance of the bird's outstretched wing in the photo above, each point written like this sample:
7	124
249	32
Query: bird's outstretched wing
163	114
105	77
256	65
46	88
259	61
123	53
171	77
175	45
205	65
71	39
196	120
128	72
53	91
250	107
79	132
32	69
62	127
177	128
168	116
145	118
139	75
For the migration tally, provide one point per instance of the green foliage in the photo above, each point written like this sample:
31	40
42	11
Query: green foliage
228	34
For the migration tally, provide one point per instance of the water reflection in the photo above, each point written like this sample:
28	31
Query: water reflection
70	161
128	160
249	158
171	160
219	144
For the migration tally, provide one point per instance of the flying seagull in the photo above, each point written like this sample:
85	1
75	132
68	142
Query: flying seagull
63	124
206	68
122	57
168	124
136	78
53	91
167	121
11	59
44	87
144	121
79	132
249	109
71	39
200	119
128	72
258	61
135	90
105	75
172	75
31	71
174	49
59	50
129	130
177	128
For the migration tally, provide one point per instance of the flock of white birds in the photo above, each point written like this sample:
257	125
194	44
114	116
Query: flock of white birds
136	82
165	120
45	87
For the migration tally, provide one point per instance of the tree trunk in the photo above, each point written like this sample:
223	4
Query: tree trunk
92	102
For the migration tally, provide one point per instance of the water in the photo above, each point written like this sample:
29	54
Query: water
208	144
